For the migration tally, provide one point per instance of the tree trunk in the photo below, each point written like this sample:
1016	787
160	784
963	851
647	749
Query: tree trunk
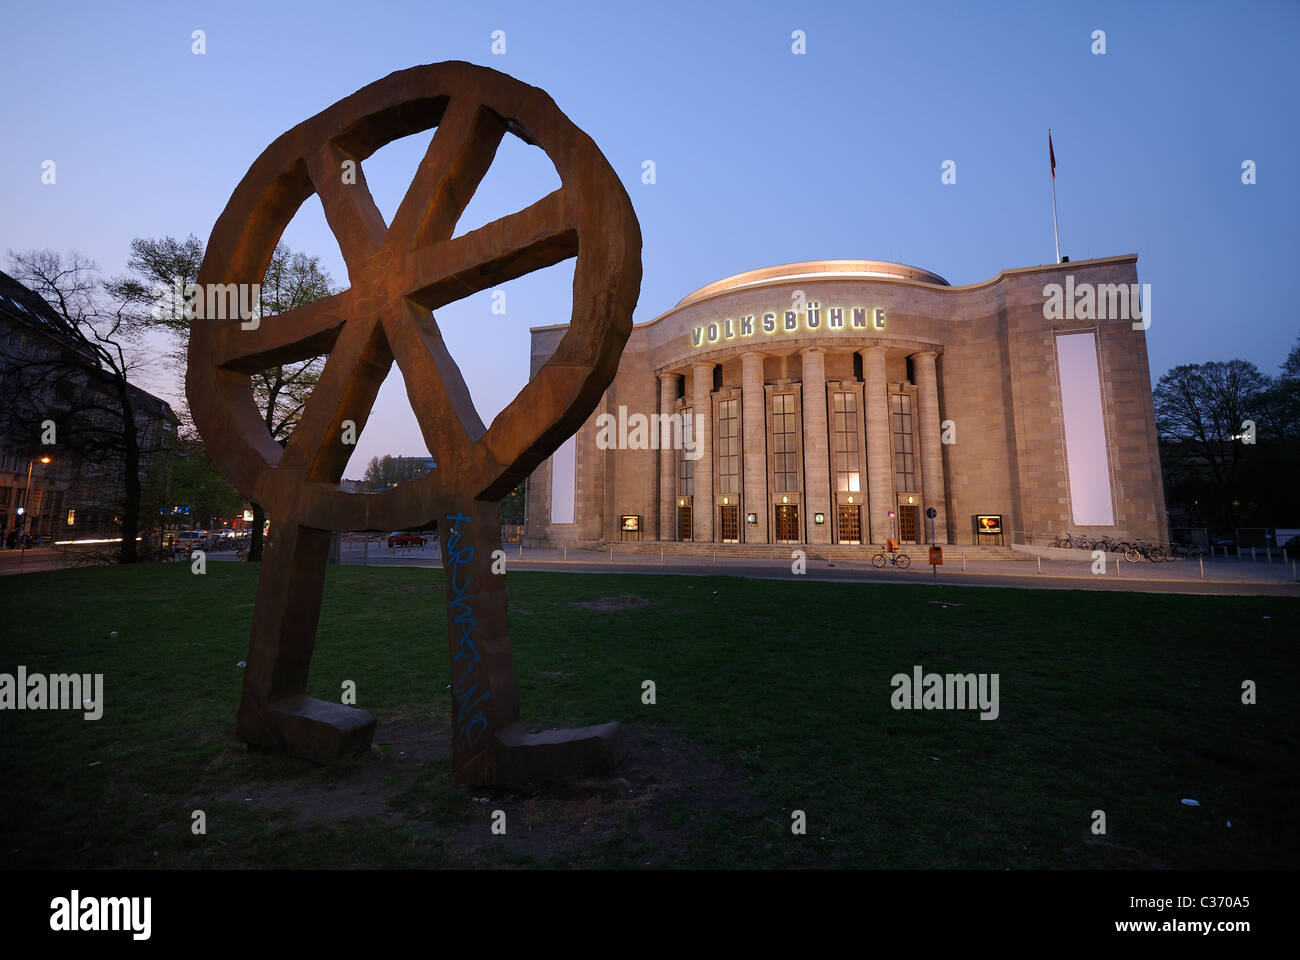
255	543
130	479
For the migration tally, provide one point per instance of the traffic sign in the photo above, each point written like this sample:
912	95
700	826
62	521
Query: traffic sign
931	512
891	513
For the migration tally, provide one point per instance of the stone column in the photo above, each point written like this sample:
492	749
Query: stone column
816	445
702	432
754	439
667	459
880	468
927	427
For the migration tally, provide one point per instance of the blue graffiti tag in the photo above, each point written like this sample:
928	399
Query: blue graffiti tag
458	575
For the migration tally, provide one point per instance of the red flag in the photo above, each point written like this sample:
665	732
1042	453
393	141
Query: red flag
1051	153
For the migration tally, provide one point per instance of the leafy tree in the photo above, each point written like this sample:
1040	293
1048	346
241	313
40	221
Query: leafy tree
197	483
292	280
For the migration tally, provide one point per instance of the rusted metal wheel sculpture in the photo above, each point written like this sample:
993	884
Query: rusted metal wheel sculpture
399	273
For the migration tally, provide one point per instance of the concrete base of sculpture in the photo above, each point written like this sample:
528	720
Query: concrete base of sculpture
306	727
517	757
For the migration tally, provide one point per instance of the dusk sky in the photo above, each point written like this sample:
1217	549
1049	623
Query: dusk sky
761	156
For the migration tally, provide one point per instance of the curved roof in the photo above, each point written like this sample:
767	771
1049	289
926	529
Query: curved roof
815	269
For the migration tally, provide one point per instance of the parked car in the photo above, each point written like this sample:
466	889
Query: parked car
190	540
399	539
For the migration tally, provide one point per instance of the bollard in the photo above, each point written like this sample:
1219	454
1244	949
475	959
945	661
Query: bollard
521	549
1252	554
963	563
611	554
1040	564
661	556
1202	561
566	551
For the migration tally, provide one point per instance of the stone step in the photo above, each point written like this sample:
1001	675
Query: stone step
952	552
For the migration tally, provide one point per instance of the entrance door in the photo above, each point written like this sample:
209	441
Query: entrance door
787	523
684	523
730	524
850	523
907	524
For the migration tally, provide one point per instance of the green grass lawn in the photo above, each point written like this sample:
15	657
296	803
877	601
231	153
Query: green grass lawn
779	691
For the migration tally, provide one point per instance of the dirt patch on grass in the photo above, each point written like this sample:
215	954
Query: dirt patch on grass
627	601
647	814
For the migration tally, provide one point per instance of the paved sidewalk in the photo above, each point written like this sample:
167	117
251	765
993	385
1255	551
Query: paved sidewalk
1221	576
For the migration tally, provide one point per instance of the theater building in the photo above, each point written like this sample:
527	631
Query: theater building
834	402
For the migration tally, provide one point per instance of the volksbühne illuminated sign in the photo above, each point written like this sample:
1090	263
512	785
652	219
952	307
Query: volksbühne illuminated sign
811	320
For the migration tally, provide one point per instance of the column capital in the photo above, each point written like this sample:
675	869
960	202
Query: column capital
705	364
805	351
924	353
759	354
664	377
873	348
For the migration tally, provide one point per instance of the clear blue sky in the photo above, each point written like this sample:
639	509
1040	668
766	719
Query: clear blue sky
762	157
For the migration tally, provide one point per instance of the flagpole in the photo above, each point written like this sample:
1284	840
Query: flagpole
1055	232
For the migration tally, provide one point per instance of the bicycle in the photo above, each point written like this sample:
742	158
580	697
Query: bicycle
1069	540
1145	551
900	560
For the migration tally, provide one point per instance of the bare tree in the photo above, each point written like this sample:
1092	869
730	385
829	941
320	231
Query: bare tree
1201	417
82	385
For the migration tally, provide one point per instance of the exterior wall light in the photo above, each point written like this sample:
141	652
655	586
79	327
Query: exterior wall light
819	518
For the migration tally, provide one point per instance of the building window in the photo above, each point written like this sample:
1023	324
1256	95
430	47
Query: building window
848	475
785	451
904	454
728	447
686	466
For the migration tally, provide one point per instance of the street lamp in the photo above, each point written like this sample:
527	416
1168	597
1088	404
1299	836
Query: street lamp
27	514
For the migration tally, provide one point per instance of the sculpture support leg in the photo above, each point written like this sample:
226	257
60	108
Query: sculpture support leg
490	744
275	710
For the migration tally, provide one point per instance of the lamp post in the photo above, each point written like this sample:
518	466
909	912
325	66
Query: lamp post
26	513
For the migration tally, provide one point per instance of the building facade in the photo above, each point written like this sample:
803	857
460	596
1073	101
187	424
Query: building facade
835	402
55	490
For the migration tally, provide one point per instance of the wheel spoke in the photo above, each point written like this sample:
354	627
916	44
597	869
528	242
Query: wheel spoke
346	390
462	149
442	403
350	210
297	334
536	237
